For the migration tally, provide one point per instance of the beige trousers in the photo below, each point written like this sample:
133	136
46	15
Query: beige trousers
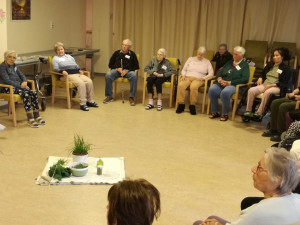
254	91
84	86
194	85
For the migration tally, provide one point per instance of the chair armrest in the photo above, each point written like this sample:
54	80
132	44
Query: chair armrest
297	105
56	73
87	73
145	76
11	88
32	84
208	79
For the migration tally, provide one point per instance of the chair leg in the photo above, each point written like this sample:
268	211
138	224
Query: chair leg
13	113
234	109
203	101
171	97
68	90
53	93
208	107
115	89
144	94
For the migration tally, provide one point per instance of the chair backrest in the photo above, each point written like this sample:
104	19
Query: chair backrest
252	71
173	61
50	62
256	51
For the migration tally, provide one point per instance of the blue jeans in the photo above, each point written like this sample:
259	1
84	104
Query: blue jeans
215	92
112	75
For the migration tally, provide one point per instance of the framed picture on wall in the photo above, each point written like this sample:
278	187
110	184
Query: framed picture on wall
20	9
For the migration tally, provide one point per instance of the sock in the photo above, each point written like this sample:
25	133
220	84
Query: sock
29	115
159	102
36	114
150	101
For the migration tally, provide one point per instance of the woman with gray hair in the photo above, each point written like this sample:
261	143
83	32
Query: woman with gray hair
160	70
234	72
10	74
66	64
194	73
276	175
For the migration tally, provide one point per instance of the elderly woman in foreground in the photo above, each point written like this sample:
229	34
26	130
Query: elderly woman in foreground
193	75
10	74
234	72
134	202
66	64
276	175
160	70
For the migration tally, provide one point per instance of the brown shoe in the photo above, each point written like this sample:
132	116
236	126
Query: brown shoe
108	100
131	101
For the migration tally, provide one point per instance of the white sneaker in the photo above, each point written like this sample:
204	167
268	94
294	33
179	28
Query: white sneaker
2	128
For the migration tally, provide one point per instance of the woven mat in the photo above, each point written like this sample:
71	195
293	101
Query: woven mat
113	172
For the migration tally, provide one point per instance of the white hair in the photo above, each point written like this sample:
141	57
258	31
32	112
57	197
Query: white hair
163	51
58	44
201	49
240	49
282	166
8	52
129	42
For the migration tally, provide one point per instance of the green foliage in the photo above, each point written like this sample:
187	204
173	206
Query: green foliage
80	166
58	171
80	146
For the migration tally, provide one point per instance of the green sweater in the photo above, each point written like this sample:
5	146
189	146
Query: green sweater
235	75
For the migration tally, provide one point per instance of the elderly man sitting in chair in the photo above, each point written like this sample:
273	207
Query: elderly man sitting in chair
122	63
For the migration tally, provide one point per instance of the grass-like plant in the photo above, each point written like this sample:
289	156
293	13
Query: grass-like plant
80	146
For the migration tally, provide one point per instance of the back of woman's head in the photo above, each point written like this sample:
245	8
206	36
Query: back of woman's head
133	202
285	53
281	166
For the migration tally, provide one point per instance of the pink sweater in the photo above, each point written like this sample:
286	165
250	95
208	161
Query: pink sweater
197	68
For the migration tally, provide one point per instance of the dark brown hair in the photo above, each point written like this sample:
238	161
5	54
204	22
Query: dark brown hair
133	202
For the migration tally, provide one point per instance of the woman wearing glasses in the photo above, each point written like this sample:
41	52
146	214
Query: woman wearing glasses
276	175
10	74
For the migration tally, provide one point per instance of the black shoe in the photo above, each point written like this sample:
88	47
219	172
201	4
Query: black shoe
180	108
92	104
268	133
276	138
192	109
84	107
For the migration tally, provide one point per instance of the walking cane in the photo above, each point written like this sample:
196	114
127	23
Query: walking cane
122	85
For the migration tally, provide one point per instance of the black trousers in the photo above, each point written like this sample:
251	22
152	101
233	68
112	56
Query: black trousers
157	81
30	98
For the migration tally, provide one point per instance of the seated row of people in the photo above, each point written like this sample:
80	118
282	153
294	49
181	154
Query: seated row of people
276	176
124	62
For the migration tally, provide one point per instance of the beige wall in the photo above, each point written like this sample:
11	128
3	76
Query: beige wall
33	35
3	31
101	34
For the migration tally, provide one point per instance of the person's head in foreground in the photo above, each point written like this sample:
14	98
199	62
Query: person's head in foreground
133	202
276	173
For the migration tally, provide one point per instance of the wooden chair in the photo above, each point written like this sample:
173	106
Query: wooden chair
167	84
125	80
56	82
236	95
12	99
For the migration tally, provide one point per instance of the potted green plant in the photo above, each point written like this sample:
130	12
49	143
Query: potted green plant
80	149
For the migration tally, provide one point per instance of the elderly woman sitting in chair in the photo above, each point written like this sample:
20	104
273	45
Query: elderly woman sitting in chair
193	75
66	64
276	175
160	70
10	74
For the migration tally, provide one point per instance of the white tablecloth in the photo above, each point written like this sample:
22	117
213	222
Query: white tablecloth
113	172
